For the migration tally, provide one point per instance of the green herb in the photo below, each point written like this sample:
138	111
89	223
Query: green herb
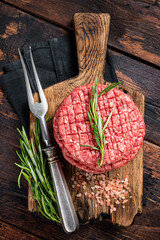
33	169
96	122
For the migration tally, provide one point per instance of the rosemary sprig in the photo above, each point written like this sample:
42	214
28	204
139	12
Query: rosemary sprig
96	121
33	169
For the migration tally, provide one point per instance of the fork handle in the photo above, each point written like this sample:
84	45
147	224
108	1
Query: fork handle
67	212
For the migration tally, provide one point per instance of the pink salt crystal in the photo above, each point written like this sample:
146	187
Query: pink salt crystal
79	195
89	195
111	206
84	183
101	202
106	196
124	201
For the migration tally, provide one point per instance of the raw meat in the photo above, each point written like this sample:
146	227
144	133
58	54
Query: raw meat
124	133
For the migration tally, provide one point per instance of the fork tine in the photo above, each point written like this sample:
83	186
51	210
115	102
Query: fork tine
40	90
28	87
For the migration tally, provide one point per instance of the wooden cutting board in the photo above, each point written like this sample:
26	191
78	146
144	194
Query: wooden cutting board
91	37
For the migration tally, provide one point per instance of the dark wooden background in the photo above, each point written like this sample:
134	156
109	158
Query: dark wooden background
134	43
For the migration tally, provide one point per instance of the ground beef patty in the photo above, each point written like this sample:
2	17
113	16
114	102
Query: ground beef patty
96	169
72	129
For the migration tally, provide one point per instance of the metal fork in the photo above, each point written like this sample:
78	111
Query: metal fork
66	209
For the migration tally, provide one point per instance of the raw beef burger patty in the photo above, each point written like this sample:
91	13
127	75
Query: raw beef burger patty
124	133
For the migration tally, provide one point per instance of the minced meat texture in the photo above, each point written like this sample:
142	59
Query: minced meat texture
72	129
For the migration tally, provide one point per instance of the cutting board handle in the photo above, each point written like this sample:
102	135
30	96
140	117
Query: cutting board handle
91	31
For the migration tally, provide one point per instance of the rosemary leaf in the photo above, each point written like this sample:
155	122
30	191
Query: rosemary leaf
109	117
19	178
90	119
96	120
26	177
97	136
95	148
33	170
107	89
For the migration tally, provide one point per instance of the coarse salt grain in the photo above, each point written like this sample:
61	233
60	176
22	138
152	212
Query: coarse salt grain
124	201
101	202
116	190
89	195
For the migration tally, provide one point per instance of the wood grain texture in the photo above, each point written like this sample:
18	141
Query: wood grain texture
135	74
14	211
13	201
92	61
8	232
19	29
135	25
145	79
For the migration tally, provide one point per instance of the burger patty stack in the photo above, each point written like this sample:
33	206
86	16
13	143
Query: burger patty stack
123	135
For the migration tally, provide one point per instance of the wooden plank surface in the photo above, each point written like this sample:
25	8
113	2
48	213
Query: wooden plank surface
135	74
135	26
94	37
85	207
8	232
13	200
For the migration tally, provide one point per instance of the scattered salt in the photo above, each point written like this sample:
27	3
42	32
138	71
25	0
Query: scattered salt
106	191
79	195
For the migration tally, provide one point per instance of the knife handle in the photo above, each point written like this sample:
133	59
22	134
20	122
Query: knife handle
67	212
